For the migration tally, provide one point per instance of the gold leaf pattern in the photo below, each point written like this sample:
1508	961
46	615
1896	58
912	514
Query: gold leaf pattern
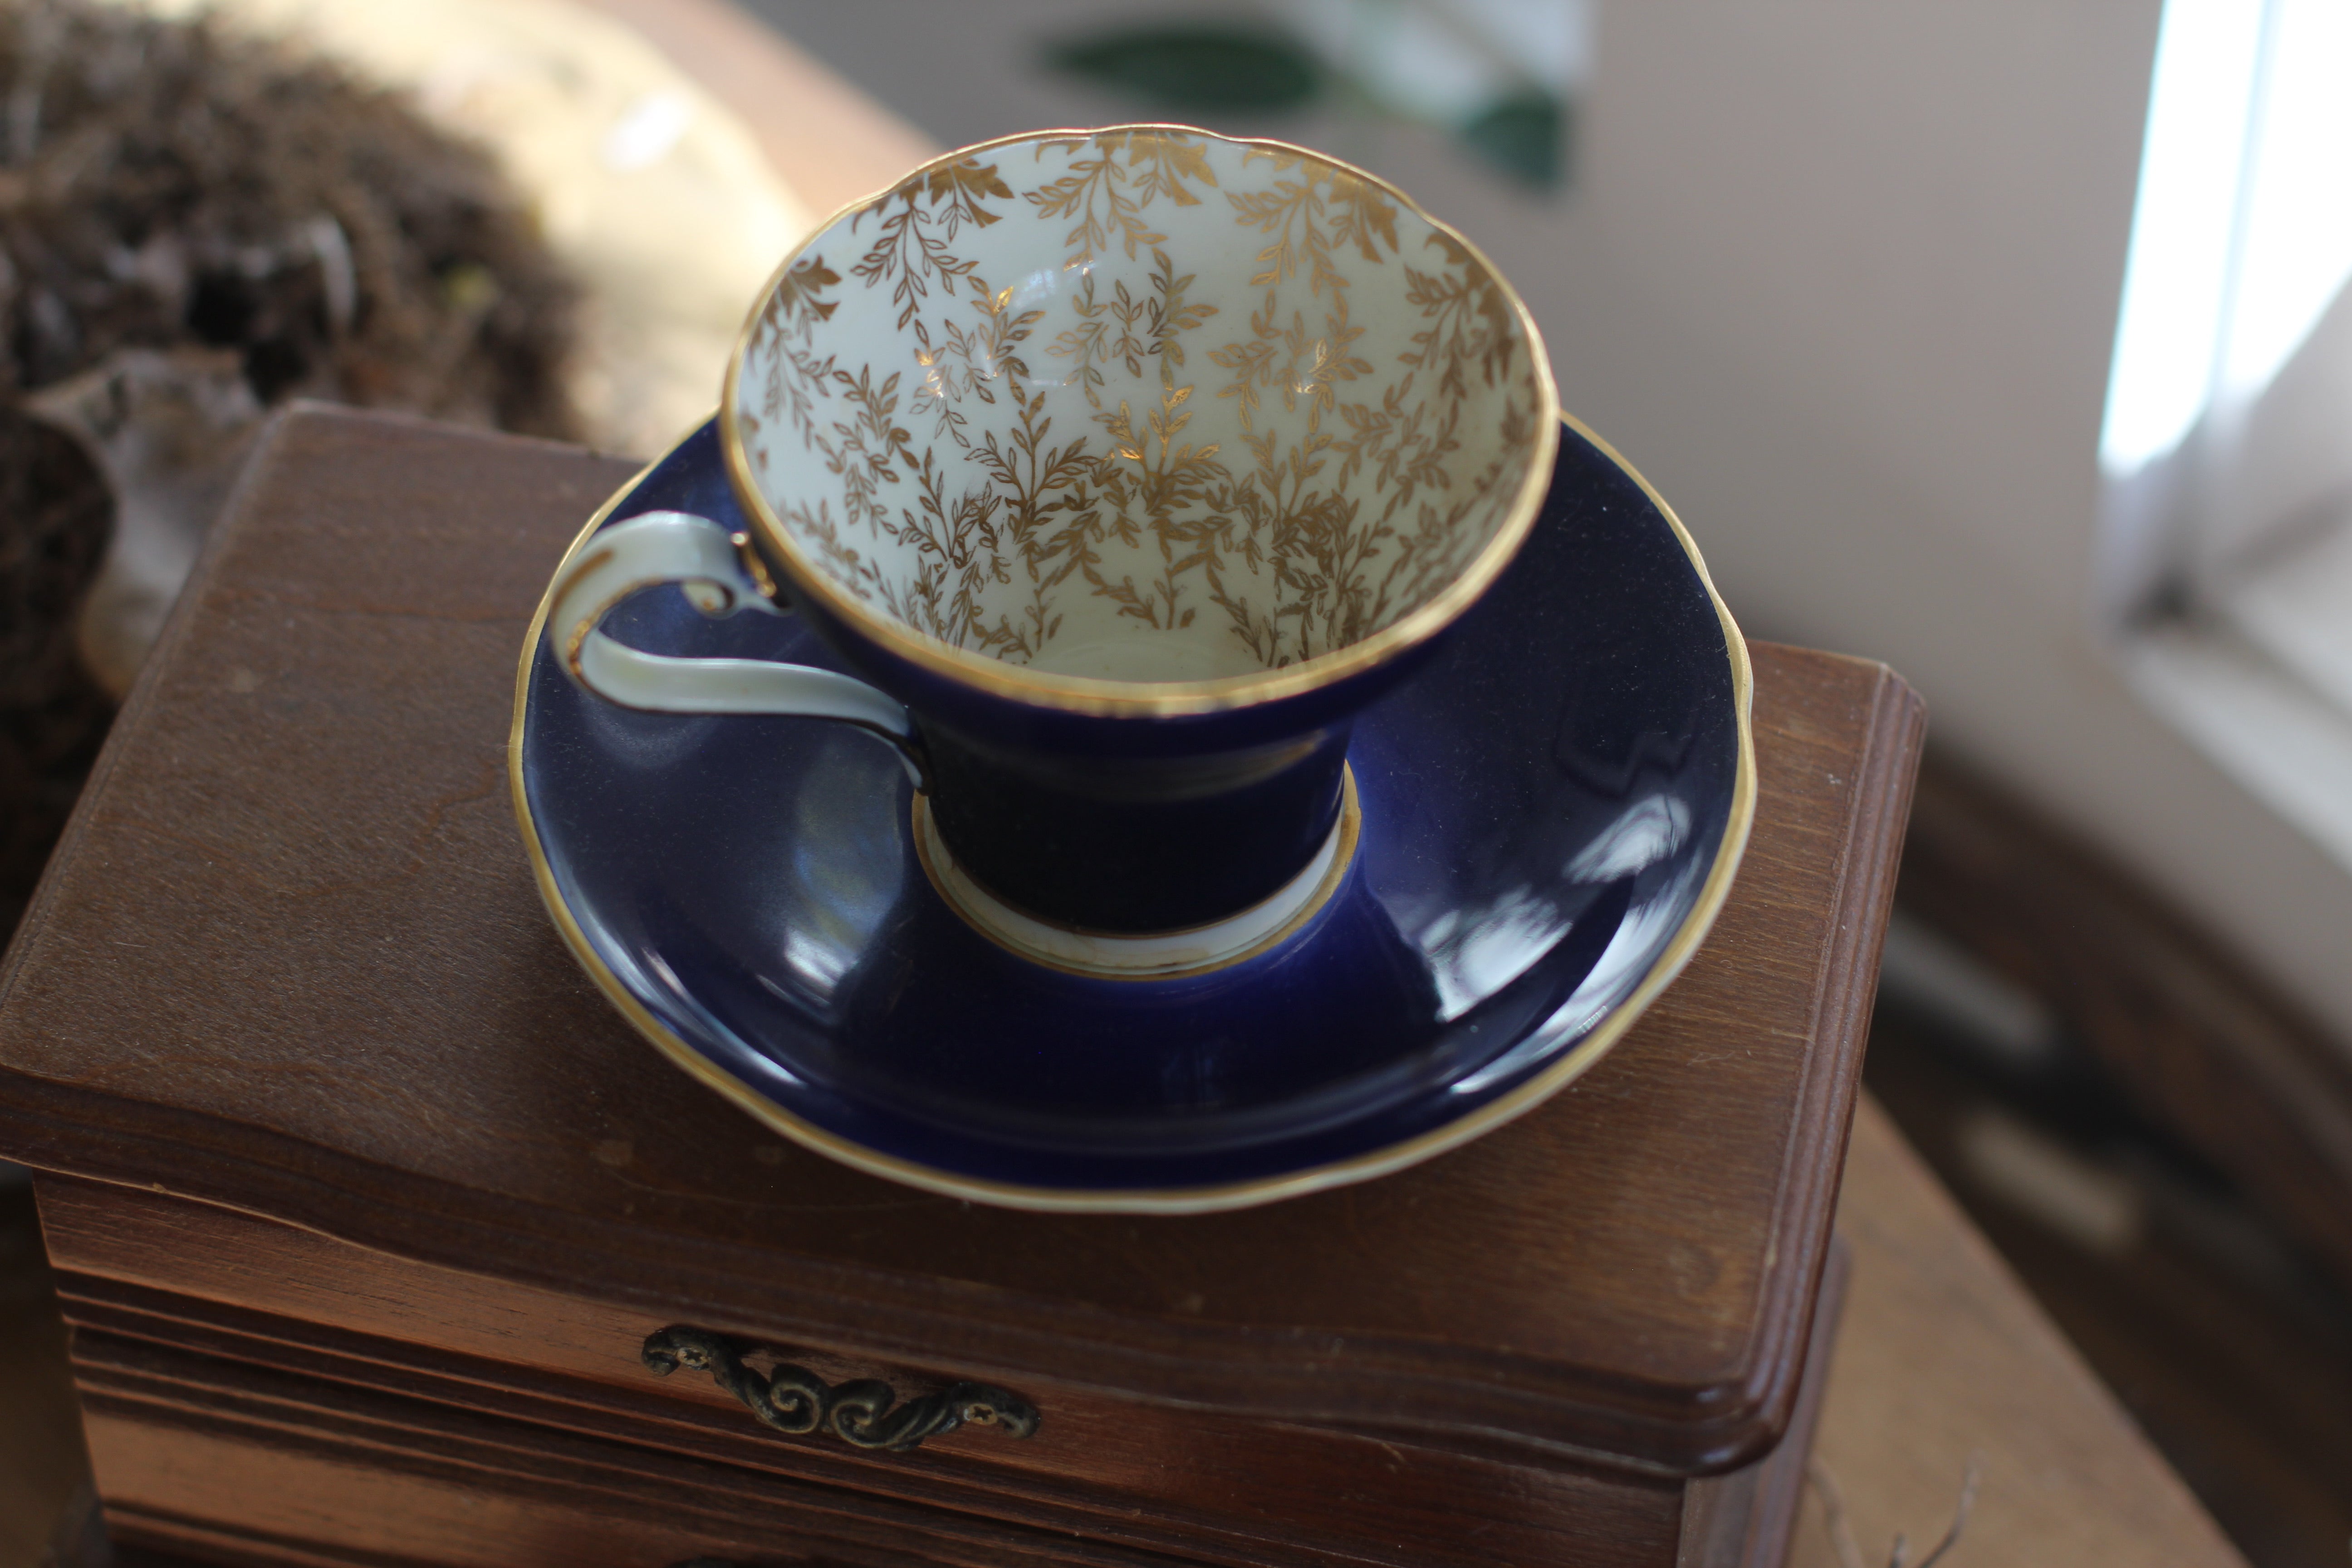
1371	416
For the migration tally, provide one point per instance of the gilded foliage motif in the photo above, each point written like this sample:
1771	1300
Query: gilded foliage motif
1238	394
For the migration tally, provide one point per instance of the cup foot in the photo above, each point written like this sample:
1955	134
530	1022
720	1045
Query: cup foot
1151	955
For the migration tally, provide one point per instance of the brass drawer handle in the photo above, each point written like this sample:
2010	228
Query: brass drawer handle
863	1413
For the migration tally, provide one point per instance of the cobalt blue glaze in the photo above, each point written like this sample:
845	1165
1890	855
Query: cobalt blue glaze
1542	807
1126	844
1116	823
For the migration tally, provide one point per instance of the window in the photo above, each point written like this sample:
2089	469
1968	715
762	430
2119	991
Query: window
2227	447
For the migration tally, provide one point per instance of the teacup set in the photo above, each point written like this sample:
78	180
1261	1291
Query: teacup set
1138	700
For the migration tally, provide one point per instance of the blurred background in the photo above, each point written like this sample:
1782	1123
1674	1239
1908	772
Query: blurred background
2005	343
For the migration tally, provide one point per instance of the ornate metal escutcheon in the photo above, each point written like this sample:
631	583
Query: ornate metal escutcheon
864	1414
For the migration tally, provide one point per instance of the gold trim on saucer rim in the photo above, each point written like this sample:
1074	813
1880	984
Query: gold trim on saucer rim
1204	1199
1152	698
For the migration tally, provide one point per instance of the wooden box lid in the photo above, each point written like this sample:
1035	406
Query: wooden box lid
290	960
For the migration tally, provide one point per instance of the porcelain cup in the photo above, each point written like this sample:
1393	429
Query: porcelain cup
1124	465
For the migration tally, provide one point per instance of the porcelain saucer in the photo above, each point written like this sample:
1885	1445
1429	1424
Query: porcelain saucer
1551	813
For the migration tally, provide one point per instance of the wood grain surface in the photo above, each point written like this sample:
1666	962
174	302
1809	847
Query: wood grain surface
1943	1360
1946	1362
166	1376
313	1313
290	960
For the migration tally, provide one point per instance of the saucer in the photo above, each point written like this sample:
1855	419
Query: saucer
1551	813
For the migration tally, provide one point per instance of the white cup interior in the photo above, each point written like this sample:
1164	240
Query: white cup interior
1140	404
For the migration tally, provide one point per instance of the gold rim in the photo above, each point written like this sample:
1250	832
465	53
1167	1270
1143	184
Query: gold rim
1180	1200
1152	698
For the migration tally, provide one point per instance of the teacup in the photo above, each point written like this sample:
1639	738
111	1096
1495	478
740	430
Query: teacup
1126	466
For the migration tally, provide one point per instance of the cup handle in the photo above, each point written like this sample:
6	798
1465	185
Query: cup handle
719	575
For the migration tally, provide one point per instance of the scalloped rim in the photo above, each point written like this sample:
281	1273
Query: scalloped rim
1151	699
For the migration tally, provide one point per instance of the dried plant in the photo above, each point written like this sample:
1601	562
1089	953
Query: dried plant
174	199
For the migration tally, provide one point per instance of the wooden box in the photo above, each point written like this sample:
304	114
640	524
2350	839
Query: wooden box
364	1202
